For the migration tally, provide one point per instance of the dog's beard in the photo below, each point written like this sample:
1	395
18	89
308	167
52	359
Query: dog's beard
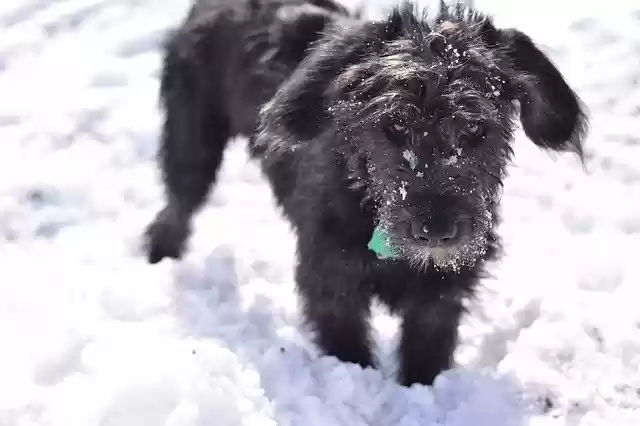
451	258
465	253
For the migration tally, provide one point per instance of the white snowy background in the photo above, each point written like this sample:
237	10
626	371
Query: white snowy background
90	334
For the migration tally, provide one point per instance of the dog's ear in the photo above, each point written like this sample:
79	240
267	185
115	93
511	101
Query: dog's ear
552	115
296	26
299	111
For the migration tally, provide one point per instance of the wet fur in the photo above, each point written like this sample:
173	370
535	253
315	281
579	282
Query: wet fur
318	91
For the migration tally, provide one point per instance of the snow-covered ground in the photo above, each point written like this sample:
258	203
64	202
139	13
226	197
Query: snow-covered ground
92	335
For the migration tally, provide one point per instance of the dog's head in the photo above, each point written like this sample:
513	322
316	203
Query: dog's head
425	116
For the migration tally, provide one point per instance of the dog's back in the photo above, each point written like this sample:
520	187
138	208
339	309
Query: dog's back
220	65
244	49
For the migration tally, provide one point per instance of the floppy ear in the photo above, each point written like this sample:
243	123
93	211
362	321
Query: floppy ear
299	111
297	26
552	115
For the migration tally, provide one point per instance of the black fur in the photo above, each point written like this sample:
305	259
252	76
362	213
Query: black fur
401	123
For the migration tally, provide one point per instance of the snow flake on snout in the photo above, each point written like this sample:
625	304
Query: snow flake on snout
450	161
411	157
453	159
403	190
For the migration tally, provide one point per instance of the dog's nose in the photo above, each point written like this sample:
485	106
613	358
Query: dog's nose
435	234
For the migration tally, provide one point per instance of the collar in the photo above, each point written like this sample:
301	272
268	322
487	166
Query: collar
381	245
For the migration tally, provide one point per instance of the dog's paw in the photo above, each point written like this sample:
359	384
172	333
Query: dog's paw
166	236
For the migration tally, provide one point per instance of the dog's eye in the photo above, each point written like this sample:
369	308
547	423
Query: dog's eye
397	128
397	133
474	129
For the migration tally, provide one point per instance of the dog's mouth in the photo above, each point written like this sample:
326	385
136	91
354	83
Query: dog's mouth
458	246
452	257
464	252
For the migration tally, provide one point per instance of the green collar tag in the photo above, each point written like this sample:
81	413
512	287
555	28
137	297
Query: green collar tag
380	244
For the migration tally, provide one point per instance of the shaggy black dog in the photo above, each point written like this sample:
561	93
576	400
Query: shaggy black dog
402	126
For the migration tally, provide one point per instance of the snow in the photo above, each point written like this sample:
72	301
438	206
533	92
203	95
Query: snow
411	157
92	335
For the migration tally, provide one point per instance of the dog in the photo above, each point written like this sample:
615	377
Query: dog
398	129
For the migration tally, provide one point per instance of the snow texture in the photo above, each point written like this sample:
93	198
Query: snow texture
91	335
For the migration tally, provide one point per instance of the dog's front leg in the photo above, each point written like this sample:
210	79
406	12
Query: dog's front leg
429	337
336	300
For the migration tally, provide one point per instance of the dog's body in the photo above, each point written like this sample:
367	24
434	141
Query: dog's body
394	123
220	66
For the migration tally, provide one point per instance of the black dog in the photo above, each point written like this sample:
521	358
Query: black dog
402	126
